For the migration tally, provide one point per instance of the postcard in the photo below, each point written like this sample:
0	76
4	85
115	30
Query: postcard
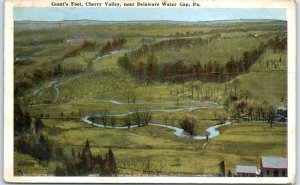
177	91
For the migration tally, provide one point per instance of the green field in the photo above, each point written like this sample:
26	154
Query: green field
61	80
156	144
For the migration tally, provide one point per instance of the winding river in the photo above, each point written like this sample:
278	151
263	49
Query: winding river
179	132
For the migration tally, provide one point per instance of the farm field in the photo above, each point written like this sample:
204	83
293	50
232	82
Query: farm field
167	98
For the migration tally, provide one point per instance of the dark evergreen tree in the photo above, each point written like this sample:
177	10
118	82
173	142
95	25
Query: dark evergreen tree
22	119
43	150
112	163
222	169
87	162
106	167
38	124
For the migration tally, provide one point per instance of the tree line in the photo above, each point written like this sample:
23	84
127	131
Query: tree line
177	71
77	49
188	33
112	45
140	117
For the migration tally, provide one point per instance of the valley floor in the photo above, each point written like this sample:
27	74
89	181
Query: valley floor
238	143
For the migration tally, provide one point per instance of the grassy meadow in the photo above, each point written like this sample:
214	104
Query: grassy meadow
150	143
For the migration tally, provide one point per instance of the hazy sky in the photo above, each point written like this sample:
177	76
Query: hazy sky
131	14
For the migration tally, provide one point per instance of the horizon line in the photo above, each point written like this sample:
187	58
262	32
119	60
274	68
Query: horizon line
148	20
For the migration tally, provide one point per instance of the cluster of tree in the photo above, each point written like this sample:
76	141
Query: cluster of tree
188	33
86	163
242	106
23	123
115	44
57	70
178	42
40	148
275	64
140	117
178	71
26	140
236	67
105	118
22	119
188	124
277	43
84	44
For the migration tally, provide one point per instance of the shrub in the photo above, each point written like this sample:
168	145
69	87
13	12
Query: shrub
188	124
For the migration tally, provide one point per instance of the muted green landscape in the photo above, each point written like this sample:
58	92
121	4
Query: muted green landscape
147	93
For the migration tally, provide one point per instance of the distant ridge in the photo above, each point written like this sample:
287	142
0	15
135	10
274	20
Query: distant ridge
34	25
156	21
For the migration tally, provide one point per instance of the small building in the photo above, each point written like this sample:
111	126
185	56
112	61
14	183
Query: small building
246	170
281	114
273	166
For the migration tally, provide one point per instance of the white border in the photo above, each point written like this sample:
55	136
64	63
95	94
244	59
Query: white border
8	101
